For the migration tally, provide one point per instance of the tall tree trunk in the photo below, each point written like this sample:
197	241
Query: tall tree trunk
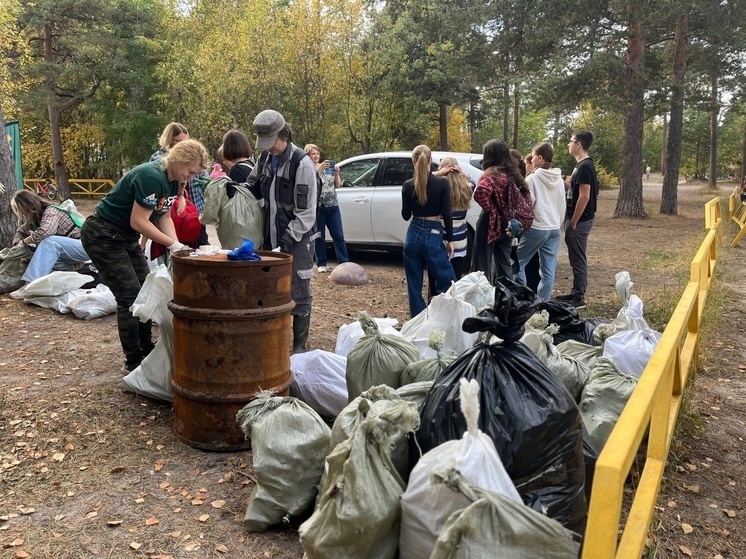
55	118
472	124
714	112
443	122
8	179
516	105
506	112
629	203
664	141
673	151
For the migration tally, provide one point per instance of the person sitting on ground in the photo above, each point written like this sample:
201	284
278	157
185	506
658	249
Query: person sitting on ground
51	230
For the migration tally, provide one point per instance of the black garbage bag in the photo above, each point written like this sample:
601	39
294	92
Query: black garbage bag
571	326
527	412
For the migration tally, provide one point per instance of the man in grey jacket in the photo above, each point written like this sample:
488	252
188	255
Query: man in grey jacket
290	209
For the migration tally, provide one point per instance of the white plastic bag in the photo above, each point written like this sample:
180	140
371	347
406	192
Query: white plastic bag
446	313
55	283
623	285
152	377
319	381
94	303
351	334
476	289
427	506
631	349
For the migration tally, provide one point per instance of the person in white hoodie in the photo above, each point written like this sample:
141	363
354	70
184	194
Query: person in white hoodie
548	197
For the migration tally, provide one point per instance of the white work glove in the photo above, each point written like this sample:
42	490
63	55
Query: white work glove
177	246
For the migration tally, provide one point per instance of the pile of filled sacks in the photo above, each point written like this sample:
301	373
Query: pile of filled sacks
447	438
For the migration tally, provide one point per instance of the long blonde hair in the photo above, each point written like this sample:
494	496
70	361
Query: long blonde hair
188	152
167	136
421	157
460	187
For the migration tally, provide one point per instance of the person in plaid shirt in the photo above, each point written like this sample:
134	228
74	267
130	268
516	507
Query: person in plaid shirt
51	231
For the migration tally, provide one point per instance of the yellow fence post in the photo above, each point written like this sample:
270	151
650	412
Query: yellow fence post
655	403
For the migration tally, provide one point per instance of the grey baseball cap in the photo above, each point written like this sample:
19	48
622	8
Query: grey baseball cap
267	125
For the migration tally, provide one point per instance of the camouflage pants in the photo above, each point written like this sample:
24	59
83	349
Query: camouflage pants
123	267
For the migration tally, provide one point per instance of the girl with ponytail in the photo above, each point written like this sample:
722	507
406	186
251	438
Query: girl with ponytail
426	200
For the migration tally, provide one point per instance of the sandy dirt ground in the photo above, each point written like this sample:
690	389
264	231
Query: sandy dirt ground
89	470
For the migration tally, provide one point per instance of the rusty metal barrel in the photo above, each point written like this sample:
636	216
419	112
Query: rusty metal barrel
232	330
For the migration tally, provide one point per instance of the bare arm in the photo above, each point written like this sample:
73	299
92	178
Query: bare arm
584	195
164	234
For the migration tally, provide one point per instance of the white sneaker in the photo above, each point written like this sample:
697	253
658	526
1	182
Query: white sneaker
18	293
322	269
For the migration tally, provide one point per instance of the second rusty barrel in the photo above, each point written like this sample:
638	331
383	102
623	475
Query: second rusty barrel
232	329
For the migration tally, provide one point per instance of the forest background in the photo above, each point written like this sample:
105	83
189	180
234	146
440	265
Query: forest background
661	83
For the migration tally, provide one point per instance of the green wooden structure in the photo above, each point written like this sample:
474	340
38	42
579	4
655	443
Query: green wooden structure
13	130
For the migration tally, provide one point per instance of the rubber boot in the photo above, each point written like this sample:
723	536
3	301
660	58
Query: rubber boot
301	324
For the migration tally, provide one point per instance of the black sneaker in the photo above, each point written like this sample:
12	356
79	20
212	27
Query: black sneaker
567	297
129	367
578	303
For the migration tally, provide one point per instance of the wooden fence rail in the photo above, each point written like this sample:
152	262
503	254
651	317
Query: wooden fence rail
78	187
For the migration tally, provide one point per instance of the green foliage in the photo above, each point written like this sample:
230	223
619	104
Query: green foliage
606	180
358	76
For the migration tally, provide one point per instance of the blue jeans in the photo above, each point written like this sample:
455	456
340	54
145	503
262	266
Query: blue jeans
54	253
331	218
424	248
546	243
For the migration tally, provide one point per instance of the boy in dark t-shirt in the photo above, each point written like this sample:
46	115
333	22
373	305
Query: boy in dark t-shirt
582	192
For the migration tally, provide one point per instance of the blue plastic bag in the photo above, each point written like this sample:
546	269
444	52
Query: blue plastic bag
245	252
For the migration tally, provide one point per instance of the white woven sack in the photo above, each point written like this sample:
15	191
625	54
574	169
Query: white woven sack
350	334
319	381
476	289
446	313
152	377
427	506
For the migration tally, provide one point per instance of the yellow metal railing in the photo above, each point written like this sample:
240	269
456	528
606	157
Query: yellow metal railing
734	200
655	404
78	187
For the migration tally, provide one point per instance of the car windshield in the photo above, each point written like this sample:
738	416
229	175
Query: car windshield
359	173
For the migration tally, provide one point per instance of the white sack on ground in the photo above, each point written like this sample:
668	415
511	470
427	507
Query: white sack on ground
445	313
426	506
623	285
95	303
319	381
350	334
476	289
55	284
152	377
631	349
289	442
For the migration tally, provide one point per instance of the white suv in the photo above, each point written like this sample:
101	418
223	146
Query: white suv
370	197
